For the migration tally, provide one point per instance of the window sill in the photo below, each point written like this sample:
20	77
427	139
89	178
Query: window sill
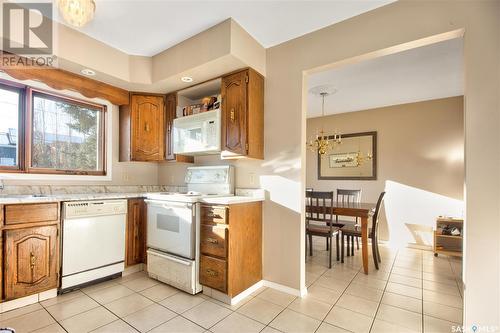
34	176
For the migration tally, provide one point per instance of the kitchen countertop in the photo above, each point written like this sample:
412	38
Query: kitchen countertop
17	199
236	199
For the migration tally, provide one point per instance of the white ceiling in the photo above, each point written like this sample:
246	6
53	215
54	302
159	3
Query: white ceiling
425	73
146	28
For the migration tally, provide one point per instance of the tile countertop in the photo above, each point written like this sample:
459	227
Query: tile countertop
242	195
15	199
236	199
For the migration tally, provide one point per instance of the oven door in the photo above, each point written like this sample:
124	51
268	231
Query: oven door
172	227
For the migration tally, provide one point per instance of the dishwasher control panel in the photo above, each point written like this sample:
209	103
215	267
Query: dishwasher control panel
75	209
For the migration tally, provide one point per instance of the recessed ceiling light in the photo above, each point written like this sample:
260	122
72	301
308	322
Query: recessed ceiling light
186	79
88	72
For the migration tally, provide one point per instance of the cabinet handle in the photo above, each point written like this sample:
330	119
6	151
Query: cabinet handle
32	260
232	114
212	240
146	127
212	273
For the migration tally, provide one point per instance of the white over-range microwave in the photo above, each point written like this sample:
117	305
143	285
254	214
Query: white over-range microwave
198	134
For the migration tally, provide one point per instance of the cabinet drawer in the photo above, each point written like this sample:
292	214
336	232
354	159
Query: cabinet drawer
26	213
213	273
213	214
213	240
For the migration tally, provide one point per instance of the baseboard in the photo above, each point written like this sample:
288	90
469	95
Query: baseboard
133	269
27	300
289	290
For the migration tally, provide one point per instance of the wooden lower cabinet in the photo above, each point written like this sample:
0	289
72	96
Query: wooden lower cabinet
136	232
231	246
31	260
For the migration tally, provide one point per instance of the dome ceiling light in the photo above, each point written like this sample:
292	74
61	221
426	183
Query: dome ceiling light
77	12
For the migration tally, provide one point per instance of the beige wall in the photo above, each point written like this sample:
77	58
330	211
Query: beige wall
392	25
420	145
282	173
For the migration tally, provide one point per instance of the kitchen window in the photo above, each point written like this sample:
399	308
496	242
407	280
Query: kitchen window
11	105
46	133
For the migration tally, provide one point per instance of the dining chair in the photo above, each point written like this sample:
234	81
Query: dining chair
355	231
348	196
319	211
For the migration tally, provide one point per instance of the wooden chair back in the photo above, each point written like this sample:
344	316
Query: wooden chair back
319	207
376	215
348	196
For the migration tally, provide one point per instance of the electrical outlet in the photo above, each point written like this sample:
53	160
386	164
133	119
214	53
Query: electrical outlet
125	177
252	178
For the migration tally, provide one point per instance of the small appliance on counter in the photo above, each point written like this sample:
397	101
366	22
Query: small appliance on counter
174	226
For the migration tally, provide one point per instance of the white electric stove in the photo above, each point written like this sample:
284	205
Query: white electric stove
174	224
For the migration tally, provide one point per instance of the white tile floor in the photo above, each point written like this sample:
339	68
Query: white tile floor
412	292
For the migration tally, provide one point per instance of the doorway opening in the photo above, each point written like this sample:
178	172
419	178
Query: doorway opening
400	118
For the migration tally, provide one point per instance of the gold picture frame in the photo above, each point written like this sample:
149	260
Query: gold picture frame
354	159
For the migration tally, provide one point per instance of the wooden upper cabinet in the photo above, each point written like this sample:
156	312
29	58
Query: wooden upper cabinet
243	115
142	128
31	256
148	113
234	113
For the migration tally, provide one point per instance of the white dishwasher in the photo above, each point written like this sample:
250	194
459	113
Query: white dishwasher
93	242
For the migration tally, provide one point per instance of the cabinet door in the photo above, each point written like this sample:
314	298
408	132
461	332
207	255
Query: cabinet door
31	260
136	232
148	132
170	105
234	113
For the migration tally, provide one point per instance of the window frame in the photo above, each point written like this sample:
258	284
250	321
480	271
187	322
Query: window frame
25	131
21	90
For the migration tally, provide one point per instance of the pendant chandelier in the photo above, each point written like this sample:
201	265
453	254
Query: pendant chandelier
77	12
322	143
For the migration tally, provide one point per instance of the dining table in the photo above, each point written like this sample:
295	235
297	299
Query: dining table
364	211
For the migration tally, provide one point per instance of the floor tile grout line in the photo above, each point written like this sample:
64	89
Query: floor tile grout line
119	319
60	322
342	294
50	314
103	305
383	292
422	324
351	280
23	313
137	292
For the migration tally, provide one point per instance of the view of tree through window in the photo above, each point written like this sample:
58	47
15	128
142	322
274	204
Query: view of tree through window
9	108
65	135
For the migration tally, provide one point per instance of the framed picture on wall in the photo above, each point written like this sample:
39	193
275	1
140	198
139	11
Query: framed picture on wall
353	159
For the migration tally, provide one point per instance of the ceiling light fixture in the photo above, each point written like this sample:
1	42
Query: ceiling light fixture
88	72
77	12
322	143
187	79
